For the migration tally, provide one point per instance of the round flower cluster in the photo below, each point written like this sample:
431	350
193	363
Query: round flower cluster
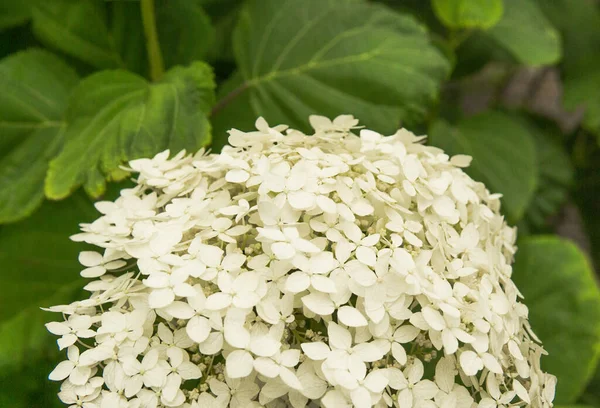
339	269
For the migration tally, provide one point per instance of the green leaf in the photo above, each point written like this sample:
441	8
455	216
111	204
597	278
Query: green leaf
582	91
468	13
78	28
561	292
116	116
223	14
503	154
35	88
331	57
579	24
28	386
555	176
39	268
14	13
184	31
526	33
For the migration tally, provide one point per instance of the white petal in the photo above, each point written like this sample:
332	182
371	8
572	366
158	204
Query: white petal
319	303
160	298
376	381
210	255
189	371
362	207
326	204
366	255
368	352
68	340
323	284
218	301
470	362
62	371
301	200
297	282
425	390
361	398
283	250
433	318
406	333
239	364
290	378
491	363
351	317
237	176
339	337
521	391
198	329
450	342
316	351
90	258
164	241
266	367
58	328
93	272
180	310
290	358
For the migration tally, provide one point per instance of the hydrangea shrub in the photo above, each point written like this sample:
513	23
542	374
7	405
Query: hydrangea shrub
338	269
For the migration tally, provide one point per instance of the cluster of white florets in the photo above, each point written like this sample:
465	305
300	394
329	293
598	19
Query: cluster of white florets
294	270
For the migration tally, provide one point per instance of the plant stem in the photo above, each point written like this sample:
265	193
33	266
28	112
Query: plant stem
228	98
157	67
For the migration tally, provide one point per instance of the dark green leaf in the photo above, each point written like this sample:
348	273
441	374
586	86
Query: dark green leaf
503	154
579	23
331	57
468	13
564	309
582	91
116	116
35	88
526	33
579	26
555	176
14	13
127	33
184	31
224	14
78	28
28	386
39	268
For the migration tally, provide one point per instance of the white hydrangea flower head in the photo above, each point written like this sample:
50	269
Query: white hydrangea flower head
338	269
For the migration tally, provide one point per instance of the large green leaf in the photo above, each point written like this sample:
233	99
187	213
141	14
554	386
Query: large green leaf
503	154
564	309
555	176
223	14
78	28
331	57
14	13
579	24
184	31
35	88
116	116
468	13
39	268
526	33
28	386
583	91
111	35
